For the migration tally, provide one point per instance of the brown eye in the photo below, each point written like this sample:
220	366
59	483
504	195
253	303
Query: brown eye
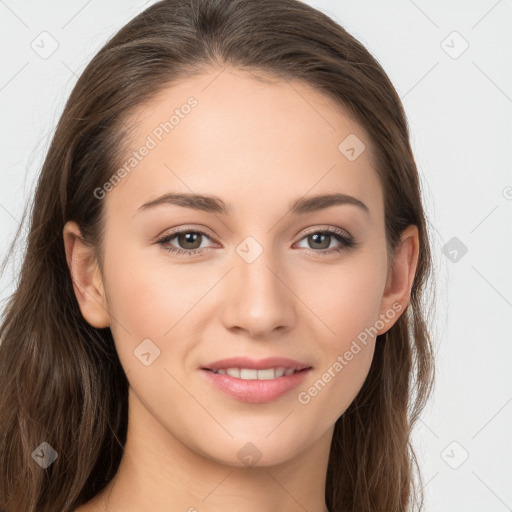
188	242
319	242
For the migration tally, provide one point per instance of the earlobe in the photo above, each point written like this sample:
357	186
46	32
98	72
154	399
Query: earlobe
86	277
401	276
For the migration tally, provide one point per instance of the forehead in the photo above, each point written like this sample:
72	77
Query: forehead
253	143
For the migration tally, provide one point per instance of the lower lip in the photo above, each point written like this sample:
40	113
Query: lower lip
255	391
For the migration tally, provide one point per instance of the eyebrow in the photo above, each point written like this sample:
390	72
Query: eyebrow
214	204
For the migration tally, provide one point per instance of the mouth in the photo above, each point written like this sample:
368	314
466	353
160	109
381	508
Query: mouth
253	374
255	381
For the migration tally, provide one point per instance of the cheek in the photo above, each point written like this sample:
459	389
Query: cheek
349	306
152	304
346	354
149	295
347	300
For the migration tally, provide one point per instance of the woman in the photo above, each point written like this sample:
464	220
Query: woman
220	306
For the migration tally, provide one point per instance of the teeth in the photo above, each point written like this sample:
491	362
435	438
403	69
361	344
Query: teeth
252	374
279	371
267	374
247	374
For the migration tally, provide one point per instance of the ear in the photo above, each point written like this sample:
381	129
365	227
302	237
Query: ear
401	276
86	277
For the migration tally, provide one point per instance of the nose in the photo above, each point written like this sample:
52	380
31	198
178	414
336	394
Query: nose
259	297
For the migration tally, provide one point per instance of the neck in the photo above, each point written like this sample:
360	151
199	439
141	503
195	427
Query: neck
158	472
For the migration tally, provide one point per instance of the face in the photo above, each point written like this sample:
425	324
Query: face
258	278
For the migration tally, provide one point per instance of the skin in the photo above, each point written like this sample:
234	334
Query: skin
257	146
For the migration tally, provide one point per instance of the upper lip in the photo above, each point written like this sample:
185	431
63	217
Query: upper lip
256	364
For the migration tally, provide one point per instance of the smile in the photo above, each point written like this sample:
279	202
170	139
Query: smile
253	374
253	385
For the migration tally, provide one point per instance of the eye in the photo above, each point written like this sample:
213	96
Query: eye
191	240
320	241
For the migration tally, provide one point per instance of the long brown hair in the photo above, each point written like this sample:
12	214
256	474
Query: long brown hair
61	381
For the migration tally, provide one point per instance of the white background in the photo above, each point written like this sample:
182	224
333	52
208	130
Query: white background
459	111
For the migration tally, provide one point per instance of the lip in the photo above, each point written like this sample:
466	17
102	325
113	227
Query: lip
255	391
256	364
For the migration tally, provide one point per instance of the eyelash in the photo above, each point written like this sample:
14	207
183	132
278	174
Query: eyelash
347	242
